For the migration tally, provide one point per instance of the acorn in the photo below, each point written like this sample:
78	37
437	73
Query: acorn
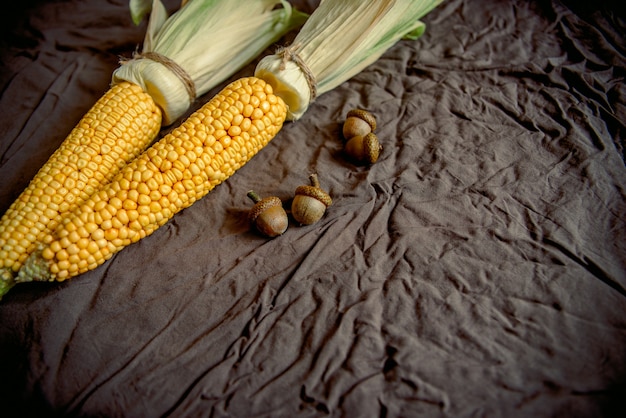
363	149
310	202
358	122
267	215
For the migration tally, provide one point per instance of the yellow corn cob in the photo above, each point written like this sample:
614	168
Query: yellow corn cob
120	125
172	174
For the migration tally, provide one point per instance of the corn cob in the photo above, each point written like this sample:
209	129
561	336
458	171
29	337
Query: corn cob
171	175
119	126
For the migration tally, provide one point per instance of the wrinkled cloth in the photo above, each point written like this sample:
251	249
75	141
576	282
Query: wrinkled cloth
478	268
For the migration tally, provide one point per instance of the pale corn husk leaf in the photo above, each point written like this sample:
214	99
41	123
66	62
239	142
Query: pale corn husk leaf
158	17
209	39
418	31
139	9
340	39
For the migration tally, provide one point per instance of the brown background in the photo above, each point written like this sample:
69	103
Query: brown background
477	269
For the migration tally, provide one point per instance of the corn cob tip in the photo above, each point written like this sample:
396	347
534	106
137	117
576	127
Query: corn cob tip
7	281
35	268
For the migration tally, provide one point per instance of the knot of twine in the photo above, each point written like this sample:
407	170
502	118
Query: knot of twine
288	54
171	65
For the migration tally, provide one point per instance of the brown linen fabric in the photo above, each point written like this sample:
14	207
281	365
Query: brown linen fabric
477	269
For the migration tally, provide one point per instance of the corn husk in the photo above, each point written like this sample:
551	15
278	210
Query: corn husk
340	39
209	40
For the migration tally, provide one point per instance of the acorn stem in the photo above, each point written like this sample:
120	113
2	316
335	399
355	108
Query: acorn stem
315	182
254	196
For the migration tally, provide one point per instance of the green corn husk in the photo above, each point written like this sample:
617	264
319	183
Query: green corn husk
340	39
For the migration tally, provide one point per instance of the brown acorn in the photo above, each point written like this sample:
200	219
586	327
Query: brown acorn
310	202
363	149
267	215
358	122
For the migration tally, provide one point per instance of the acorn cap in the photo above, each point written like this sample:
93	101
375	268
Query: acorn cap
316	193
371	147
262	205
365	115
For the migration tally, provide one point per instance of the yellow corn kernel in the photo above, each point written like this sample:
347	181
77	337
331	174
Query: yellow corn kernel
177	184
